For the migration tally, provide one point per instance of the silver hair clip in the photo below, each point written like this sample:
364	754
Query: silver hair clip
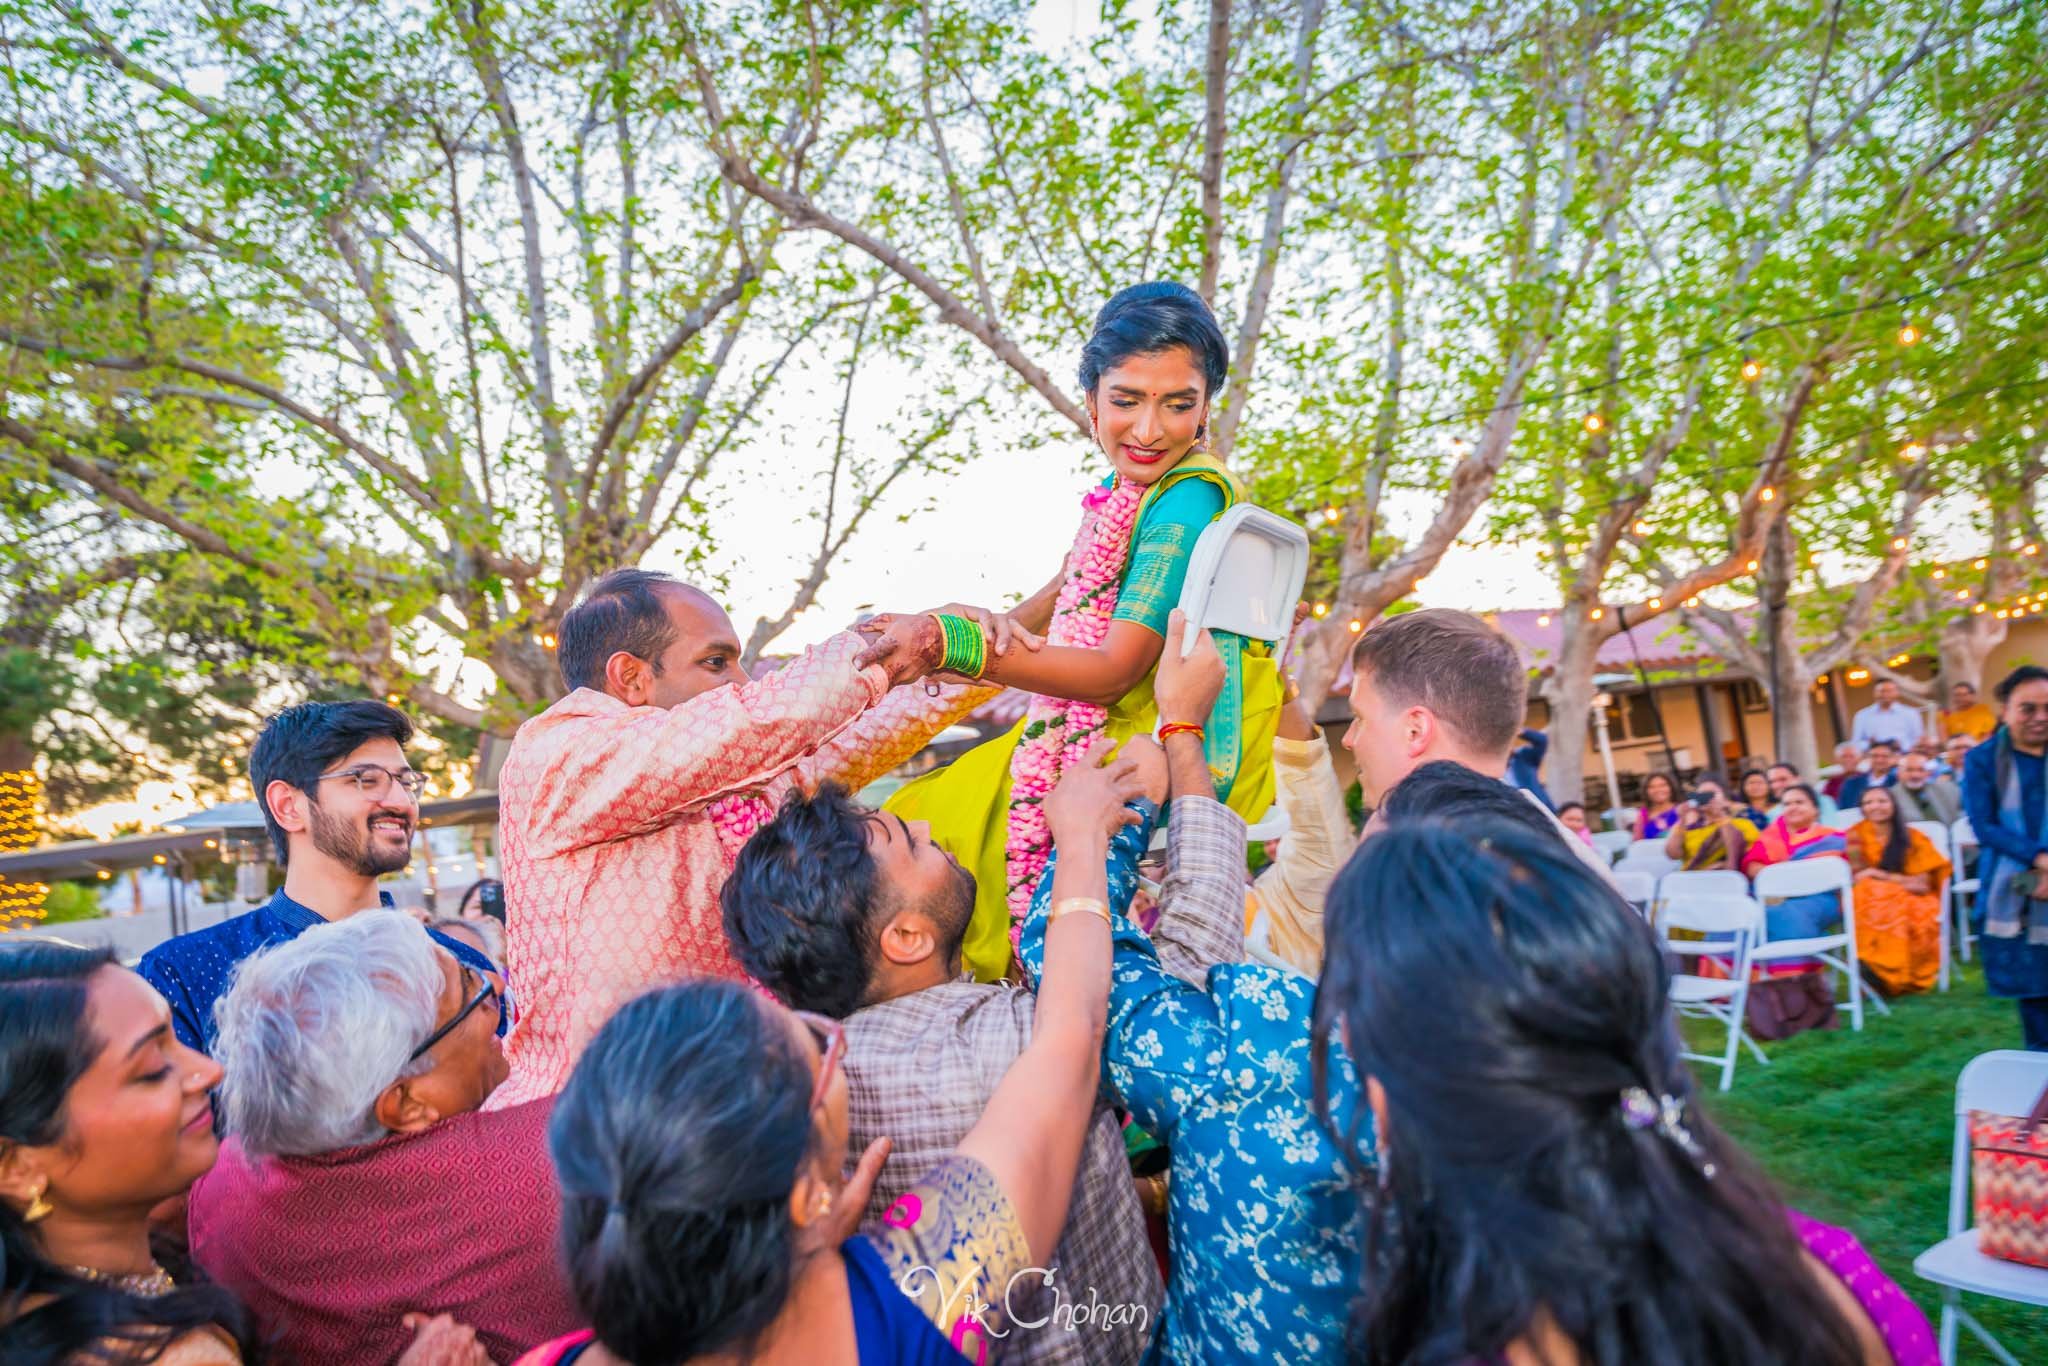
1666	1114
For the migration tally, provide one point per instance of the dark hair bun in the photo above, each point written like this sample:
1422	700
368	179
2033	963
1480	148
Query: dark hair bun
1147	319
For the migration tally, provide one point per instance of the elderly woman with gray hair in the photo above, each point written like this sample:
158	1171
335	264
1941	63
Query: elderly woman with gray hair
361	1189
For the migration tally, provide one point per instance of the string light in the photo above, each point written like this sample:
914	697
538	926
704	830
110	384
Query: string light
1768	493
1641	528
1859	675
1978	610
547	642
1692	602
1752	566
1543	620
1595	423
1962	593
1752	369
1908	334
20	802
1978	565
2003	614
1912	450
1599	612
1356	626
1941	573
2030	549
393	698
1814	558
1330	515
1898	542
1656	604
104	875
1322	609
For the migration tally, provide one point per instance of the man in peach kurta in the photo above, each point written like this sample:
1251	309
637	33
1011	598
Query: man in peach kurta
610	802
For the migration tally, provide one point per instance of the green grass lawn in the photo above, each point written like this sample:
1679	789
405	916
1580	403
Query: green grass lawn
1857	1129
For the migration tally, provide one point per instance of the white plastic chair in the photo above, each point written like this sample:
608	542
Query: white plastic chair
1837	950
1963	890
1731	925
1612	843
1621	818
1937	835
2007	1082
1847	819
1648	855
1638	887
1706	882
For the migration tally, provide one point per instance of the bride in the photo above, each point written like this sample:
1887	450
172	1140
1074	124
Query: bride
1087	643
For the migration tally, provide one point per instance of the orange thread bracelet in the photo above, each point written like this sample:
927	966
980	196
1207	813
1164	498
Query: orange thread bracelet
1180	728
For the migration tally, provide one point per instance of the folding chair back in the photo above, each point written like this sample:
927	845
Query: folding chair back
1620	818
1838	949
1638	887
1708	882
1612	843
1938	836
1962	886
2006	1081
1647	851
1846	819
1729	926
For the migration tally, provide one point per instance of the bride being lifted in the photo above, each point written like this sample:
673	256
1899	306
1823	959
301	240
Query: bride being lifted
1087	643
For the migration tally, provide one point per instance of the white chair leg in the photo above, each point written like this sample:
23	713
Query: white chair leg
1963	927
1941	979
1728	1058
1755	1052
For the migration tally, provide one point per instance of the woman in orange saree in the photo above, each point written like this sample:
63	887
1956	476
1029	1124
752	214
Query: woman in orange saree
1898	897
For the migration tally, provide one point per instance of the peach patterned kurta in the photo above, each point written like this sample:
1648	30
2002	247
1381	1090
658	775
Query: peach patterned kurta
612	865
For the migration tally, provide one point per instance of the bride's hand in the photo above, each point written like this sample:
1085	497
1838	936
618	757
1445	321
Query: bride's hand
999	629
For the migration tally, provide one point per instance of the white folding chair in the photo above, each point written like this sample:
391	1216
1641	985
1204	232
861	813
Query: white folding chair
1612	843
1705	882
1937	835
1845	820
2006	1081
1638	887
1648	854
1731	924
1963	890
1621	818
1838	950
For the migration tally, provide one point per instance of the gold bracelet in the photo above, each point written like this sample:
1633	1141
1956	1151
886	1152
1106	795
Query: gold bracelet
1069	905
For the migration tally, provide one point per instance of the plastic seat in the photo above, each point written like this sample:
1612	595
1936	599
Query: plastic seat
1938	836
1612	843
1730	926
2005	1082
1962	889
1836	950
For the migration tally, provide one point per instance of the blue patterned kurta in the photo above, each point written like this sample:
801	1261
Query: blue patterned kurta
1264	1224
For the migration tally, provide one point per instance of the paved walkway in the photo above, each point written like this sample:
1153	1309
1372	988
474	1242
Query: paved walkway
130	935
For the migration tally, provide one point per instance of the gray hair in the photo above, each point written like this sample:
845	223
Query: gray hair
315	1029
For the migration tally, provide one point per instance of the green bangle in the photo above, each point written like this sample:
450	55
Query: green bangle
966	650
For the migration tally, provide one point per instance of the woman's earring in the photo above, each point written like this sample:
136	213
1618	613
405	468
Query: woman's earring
824	1203
38	1208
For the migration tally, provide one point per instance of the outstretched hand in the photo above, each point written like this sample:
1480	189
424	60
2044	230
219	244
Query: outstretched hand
1090	797
907	647
1186	689
441	1341
849	1207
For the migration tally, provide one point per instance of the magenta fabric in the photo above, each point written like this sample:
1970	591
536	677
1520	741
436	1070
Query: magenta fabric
1899	1322
331	1252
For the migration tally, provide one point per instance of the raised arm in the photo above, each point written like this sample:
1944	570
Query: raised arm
1202	904
636	770
1030	1135
889	733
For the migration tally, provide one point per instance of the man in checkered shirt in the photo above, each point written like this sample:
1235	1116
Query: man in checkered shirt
829	883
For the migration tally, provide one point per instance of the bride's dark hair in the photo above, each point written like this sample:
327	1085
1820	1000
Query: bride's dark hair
1147	319
1504	998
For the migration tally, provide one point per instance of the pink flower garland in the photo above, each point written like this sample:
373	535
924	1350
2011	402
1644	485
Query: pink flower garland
1056	730
736	817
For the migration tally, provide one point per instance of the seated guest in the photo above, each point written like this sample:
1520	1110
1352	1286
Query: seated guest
1880	770
623	804
359	1182
1922	795
1848	760
1756	798
1659	814
103	1115
827	883
1548	1189
1712	833
1572	816
1954	751
1796	835
340	803
1284	908
1967	714
1898	896
1783	776
701	1145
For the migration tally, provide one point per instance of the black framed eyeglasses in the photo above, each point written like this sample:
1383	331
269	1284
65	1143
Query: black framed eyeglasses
374	780
489	992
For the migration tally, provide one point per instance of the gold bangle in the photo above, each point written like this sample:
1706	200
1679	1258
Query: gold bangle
1069	905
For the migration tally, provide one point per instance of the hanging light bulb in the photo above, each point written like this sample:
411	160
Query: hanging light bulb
1330	515
1768	493
1599	612
1543	620
1656	604
1752	566
1692	602
1962	594
1752	370
2003	614
1978	564
1898	542
1356	626
1641	528
1814	558
2030	549
1322	609
1979	609
1912	450
1941	573
1908	334
1595	422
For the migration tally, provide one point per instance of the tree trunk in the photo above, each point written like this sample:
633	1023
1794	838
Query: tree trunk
1798	745
1569	690
1965	646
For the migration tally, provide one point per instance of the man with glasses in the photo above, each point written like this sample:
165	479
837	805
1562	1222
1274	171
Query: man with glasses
362	1183
340	803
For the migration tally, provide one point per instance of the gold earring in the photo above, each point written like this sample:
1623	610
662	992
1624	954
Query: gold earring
38	1208
824	1202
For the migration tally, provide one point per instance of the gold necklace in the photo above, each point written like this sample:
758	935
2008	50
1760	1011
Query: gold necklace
152	1284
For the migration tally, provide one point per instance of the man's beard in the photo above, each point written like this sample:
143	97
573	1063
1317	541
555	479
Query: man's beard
354	847
952	909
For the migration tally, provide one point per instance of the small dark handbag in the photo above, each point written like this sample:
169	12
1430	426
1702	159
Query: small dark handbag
1780	1007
